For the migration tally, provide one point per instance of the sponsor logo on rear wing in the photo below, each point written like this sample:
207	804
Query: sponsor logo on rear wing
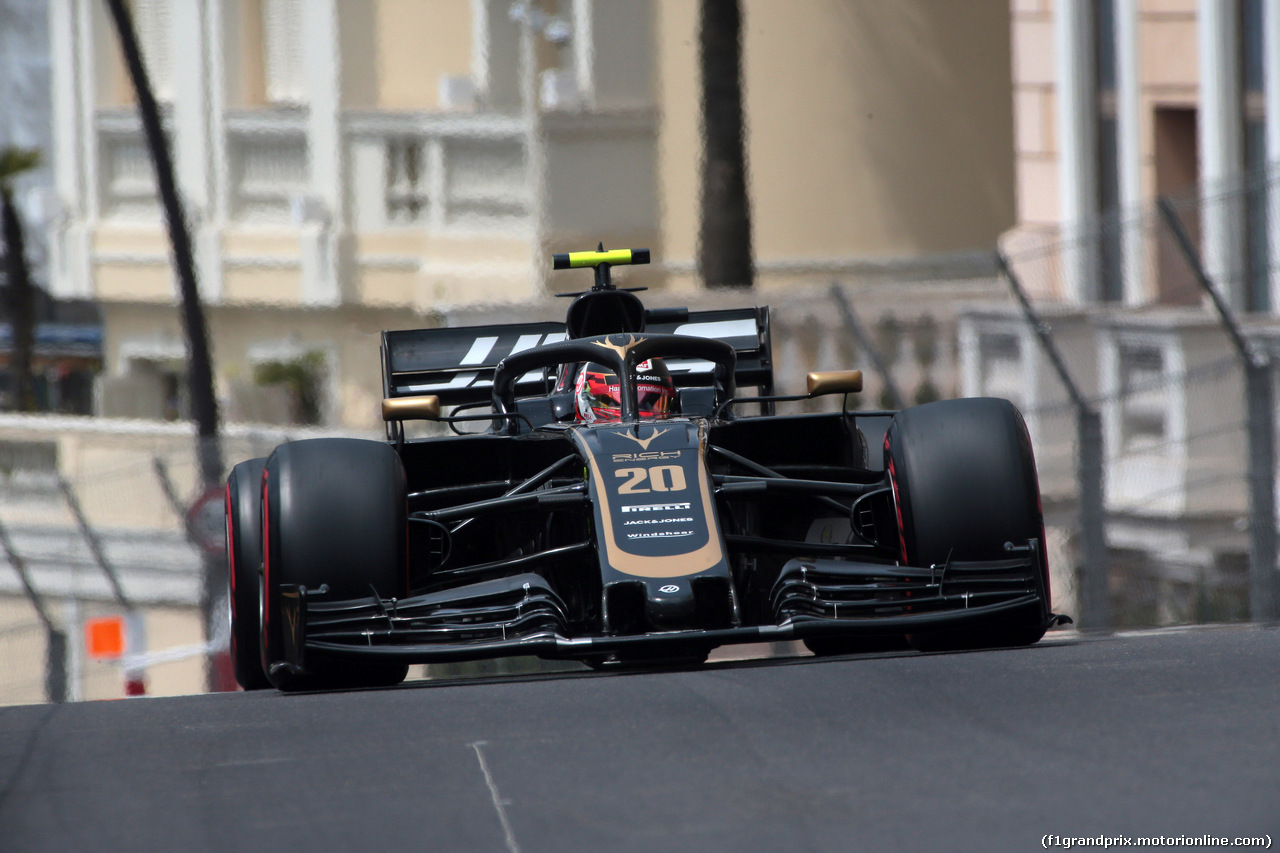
457	363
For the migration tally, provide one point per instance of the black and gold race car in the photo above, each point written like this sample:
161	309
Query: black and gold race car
620	490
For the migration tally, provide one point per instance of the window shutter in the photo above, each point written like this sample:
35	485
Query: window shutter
282	29
152	20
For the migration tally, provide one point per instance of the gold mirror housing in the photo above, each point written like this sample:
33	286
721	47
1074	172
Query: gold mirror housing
834	382
424	408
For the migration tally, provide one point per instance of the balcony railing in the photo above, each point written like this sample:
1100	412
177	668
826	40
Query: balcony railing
444	173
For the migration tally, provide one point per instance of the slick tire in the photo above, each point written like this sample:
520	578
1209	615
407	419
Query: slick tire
334	515
965	483
244	571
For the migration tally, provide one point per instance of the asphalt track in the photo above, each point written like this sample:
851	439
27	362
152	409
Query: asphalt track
1169	733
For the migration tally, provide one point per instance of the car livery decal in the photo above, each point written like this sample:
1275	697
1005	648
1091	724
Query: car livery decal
652	497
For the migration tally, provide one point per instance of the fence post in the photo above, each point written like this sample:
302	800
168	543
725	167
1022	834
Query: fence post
55	661
1095	595
134	679
1095	561
1264	598
55	666
1259	394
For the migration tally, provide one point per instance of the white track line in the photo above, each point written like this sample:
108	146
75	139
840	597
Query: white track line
498	802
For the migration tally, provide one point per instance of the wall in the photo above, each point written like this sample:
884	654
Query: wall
875	129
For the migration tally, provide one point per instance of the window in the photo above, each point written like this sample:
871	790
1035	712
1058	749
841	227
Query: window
1177	172
1001	356
129	181
152	387
268	171
283	46
406	190
1143	398
485	181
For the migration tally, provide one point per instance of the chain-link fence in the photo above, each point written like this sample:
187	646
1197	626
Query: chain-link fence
1159	322
107	519
1140	350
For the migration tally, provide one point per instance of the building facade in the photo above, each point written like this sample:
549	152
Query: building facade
351	166
1118	103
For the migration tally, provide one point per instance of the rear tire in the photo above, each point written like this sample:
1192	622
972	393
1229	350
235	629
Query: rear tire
965	483
335	515
244	571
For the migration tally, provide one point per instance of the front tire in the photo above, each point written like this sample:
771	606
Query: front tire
244	571
964	480
335	516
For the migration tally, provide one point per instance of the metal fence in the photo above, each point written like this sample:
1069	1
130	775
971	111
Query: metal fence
96	521
1141	351
1141	360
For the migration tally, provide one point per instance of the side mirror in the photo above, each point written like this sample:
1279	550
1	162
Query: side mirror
424	408
834	382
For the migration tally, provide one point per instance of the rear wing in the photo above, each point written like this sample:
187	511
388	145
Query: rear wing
456	364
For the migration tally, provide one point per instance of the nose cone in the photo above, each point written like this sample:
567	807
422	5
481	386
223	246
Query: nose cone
670	603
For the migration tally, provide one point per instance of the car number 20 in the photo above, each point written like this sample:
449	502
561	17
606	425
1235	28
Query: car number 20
660	478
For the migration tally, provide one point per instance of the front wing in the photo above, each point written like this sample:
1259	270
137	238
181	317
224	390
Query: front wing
522	615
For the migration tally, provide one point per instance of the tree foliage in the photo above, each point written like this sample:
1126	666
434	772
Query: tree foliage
302	378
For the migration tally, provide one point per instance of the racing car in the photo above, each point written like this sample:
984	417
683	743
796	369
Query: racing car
620	489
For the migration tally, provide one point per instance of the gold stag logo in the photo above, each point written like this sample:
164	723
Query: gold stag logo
620	349
644	442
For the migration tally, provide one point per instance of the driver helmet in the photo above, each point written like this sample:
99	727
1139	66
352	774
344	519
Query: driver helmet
598	393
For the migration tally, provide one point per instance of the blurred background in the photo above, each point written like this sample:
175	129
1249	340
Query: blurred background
1068	203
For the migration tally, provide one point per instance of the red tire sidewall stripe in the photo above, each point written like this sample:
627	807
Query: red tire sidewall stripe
897	500
231	548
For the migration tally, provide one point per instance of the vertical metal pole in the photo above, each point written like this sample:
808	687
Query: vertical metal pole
135	676
1095	561
55	666
1095	593
55	672
1264	598
1263	595
75	651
